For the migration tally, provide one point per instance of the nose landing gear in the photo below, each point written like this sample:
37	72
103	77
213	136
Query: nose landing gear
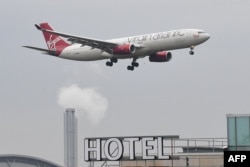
191	52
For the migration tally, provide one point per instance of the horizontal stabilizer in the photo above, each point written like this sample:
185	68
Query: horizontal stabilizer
50	52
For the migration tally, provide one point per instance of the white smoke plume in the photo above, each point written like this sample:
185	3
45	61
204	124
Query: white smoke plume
86	101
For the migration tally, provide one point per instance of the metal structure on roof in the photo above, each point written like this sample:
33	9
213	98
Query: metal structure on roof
12	160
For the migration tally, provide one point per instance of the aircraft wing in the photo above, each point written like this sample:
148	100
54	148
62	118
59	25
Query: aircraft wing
94	43
46	51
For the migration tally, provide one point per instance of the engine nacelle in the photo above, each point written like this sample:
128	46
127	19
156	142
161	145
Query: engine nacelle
162	56
124	49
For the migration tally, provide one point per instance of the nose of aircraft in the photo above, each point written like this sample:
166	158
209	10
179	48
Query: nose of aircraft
206	36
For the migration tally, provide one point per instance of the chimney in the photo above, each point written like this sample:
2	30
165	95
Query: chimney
70	138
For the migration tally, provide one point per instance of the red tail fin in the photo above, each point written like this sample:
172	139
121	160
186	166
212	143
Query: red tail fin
54	42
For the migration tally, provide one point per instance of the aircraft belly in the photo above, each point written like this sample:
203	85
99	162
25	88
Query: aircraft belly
138	54
85	54
169	44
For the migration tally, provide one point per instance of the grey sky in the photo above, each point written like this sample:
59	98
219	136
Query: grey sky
189	96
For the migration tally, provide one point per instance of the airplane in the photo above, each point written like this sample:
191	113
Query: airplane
156	46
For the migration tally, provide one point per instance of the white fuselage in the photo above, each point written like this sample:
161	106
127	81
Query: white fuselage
145	45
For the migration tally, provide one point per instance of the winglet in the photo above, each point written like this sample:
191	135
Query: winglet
38	27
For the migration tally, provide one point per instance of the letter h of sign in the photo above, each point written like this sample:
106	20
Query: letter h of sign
90	151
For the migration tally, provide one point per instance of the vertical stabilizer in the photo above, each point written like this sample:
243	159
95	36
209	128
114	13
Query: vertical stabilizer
54	42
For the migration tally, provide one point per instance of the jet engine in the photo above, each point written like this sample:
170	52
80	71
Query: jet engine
124	49
162	56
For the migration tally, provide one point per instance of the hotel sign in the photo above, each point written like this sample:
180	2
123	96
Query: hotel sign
128	148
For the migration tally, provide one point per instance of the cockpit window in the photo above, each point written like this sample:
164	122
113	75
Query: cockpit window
201	32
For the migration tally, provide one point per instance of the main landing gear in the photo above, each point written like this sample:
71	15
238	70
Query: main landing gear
112	60
130	67
191	52
133	64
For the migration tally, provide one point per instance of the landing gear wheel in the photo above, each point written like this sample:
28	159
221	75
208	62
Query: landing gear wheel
135	64
191	52
108	63
131	68
114	60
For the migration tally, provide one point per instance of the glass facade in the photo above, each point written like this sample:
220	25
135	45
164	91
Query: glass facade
238	132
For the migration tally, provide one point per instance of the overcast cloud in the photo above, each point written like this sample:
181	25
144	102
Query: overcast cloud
188	96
